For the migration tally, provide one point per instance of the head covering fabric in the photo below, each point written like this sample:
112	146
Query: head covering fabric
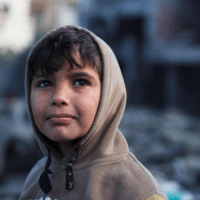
104	167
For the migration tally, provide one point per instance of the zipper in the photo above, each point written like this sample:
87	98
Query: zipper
69	171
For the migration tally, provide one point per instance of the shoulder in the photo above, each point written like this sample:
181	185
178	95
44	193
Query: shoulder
131	179
139	180
34	174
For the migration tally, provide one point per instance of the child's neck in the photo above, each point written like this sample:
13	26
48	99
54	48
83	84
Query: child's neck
65	147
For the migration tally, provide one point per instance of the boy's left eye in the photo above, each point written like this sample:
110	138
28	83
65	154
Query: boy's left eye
81	82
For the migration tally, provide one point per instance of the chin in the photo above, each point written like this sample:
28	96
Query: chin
60	138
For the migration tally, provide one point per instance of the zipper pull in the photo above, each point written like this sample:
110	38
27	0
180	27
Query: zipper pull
69	172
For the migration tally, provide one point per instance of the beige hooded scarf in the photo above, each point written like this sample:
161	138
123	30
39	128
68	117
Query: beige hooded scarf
100	166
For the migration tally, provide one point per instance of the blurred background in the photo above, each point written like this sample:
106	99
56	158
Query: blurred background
157	44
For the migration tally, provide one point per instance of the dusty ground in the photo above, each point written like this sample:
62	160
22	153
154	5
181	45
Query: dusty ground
167	142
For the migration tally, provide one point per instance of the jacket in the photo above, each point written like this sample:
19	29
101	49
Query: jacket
100	166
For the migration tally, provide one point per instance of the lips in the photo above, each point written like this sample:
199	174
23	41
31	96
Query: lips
61	119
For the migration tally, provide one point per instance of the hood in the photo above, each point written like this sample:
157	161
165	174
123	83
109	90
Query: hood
104	135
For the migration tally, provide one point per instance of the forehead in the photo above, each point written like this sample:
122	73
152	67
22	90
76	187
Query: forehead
49	61
68	67
86	70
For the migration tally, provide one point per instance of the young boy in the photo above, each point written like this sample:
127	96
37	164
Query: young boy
76	98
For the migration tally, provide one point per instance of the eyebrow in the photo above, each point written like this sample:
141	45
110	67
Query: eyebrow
73	75
40	75
81	74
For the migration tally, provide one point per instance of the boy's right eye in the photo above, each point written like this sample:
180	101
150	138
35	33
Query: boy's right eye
43	84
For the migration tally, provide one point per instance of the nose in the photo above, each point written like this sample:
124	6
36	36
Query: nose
60	96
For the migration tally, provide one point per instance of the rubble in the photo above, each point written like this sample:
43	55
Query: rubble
167	142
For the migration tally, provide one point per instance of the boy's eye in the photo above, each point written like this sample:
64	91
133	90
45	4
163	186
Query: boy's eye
43	84
81	82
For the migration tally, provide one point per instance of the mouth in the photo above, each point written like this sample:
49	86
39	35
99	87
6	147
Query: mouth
61	119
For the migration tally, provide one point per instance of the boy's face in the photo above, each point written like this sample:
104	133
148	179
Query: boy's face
65	103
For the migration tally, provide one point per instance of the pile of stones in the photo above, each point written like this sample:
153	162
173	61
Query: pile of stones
167	142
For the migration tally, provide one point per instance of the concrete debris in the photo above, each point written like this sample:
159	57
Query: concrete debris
167	142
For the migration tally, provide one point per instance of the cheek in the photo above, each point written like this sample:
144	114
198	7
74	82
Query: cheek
35	109
93	103
37	104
